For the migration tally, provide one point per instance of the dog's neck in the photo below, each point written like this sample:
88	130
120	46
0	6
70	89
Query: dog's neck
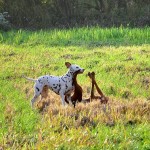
69	75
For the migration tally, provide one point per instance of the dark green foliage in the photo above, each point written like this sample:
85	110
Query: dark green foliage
68	13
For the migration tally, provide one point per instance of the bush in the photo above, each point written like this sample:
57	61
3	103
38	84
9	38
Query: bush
4	23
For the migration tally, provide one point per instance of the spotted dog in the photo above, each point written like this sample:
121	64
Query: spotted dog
61	85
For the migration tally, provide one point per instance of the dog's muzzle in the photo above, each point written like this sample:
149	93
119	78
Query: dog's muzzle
82	70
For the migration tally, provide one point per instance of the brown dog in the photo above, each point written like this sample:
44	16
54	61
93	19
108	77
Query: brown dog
77	96
102	97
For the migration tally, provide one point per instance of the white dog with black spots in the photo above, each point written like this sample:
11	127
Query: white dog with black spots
61	85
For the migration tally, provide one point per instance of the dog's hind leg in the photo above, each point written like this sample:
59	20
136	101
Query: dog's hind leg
33	100
37	92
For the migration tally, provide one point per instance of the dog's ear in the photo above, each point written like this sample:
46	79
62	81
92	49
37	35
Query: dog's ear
93	73
68	64
89	74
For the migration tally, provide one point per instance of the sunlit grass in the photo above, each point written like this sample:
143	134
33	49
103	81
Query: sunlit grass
78	36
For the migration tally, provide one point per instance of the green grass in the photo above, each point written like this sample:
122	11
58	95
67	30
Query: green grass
75	37
120	58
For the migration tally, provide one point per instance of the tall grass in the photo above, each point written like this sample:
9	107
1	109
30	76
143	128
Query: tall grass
78	36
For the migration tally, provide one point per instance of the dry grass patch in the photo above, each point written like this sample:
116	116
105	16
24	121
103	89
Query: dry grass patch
93	113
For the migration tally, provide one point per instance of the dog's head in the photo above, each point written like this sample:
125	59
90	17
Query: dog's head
91	75
74	68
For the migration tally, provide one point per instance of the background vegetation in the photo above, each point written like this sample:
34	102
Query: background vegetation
69	13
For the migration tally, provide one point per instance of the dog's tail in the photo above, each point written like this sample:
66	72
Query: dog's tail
34	80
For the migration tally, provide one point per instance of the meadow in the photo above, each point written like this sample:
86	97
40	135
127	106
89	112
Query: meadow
120	58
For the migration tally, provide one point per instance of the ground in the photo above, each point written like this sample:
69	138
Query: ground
120	59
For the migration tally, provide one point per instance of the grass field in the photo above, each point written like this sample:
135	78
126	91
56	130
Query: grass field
121	59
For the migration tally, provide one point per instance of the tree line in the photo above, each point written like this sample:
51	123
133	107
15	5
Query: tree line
72	13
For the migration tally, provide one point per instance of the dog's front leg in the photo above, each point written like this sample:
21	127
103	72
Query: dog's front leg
62	98
68	98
